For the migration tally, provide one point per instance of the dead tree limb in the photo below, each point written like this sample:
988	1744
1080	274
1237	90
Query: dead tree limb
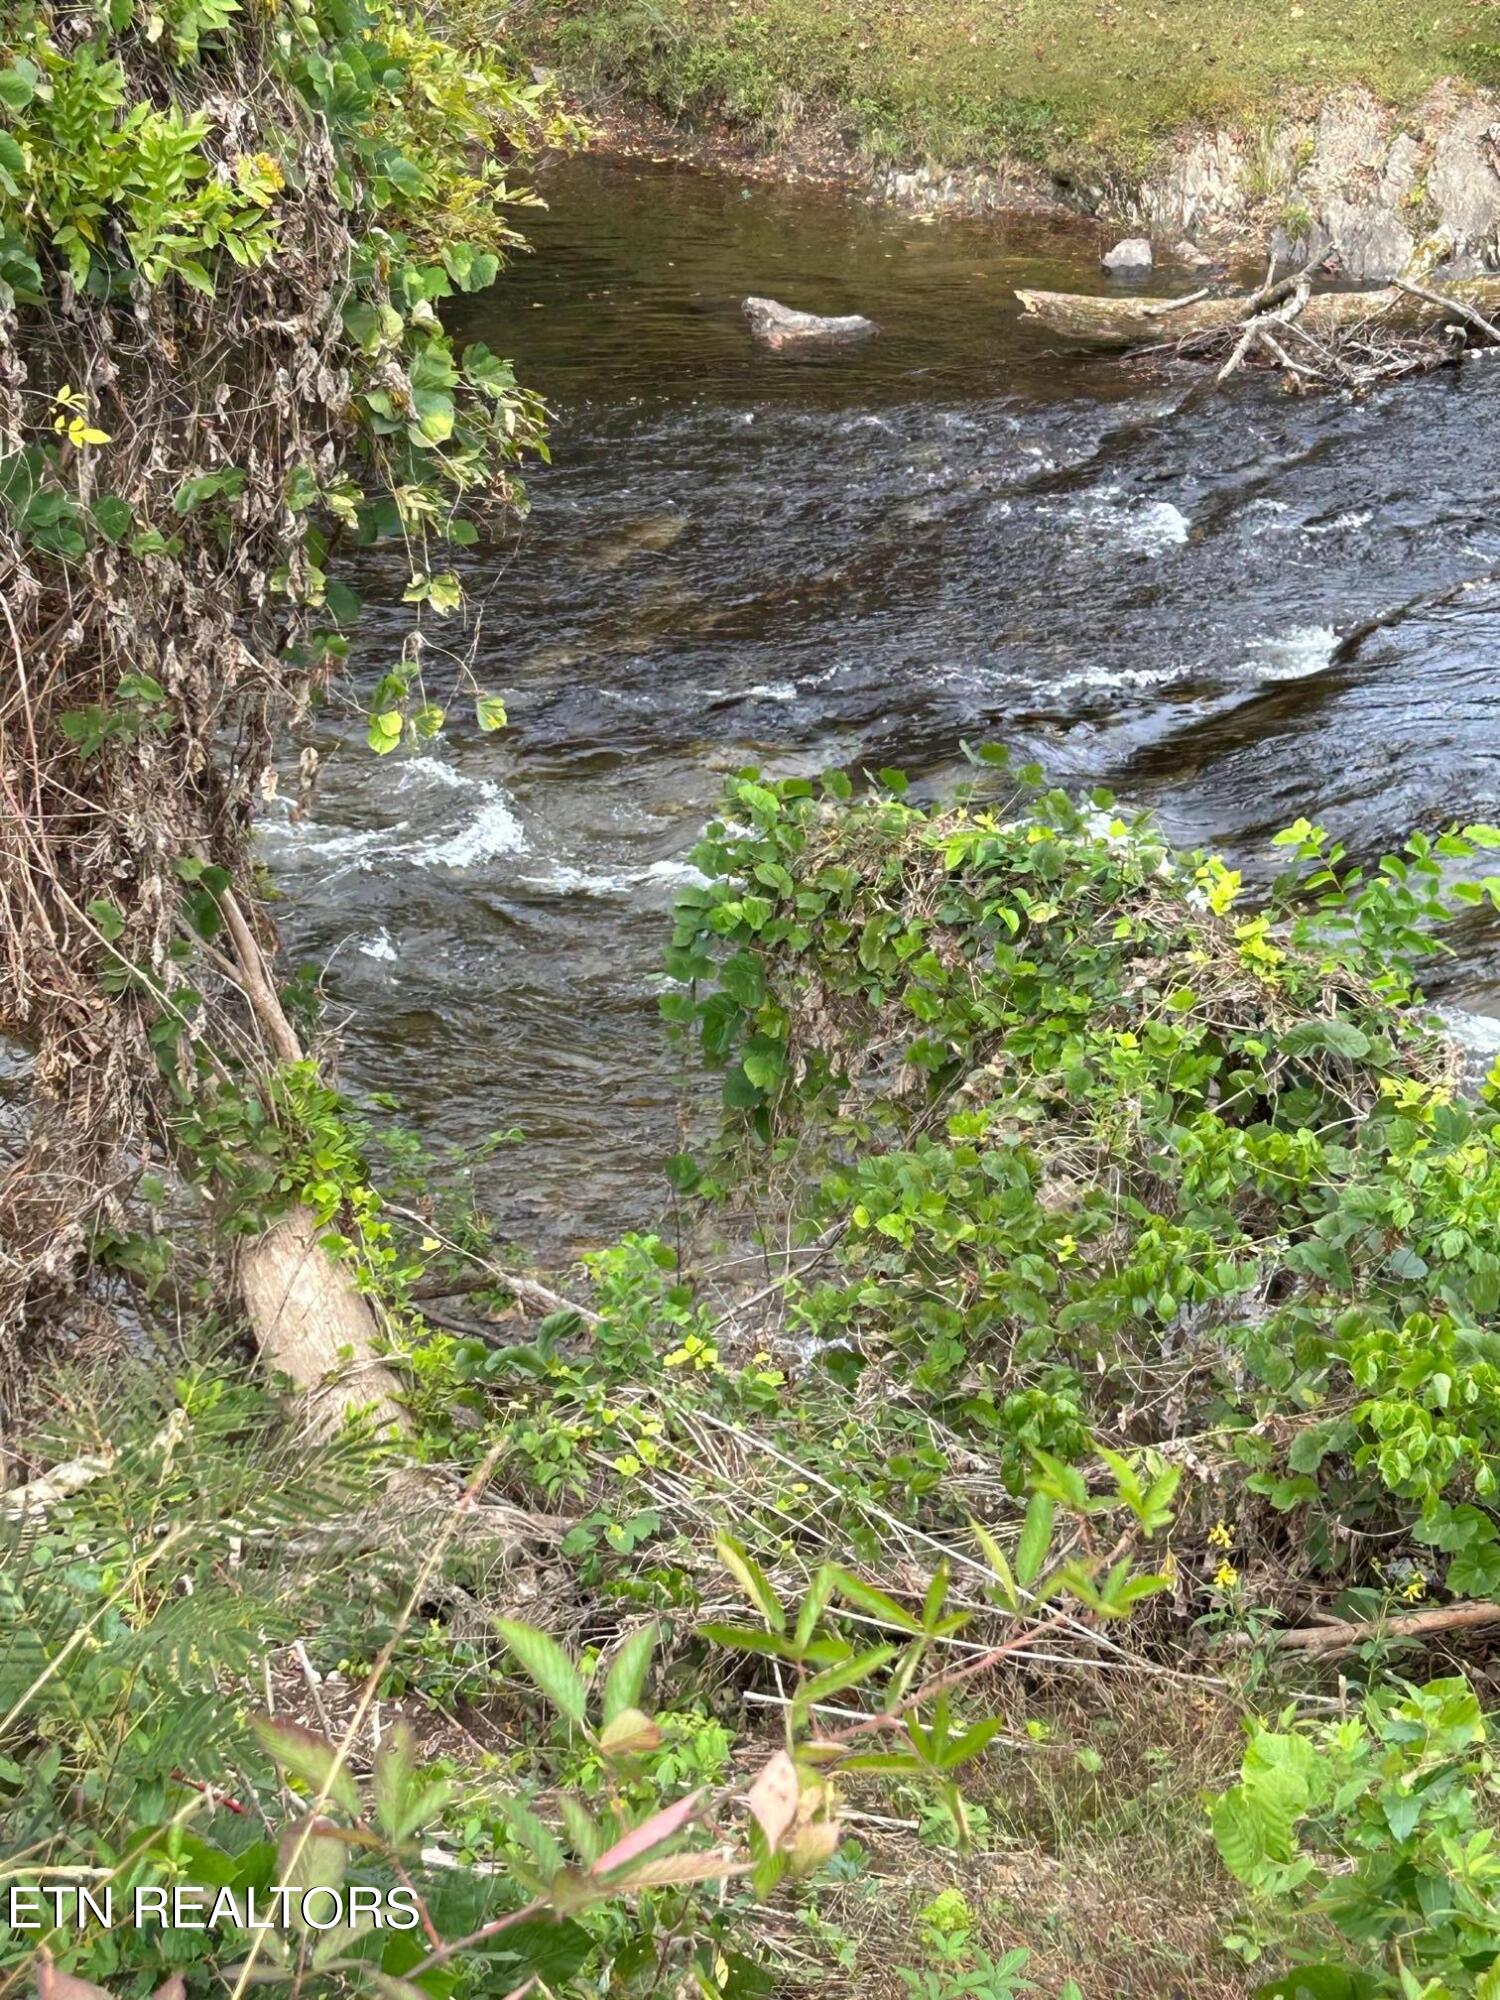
1466	313
1342	1635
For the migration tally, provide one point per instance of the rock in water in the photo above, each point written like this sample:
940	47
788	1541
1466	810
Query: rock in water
1131	255
779	326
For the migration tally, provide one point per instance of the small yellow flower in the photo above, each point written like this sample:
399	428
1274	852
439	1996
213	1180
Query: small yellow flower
1226	1576
1219	1537
1416	1589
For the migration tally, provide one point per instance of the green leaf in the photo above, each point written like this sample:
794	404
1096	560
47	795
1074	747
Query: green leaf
764	1062
311	1855
303	1754
739	1093
627	1675
445	593
403	1803
112	516
548	1949
751	1578
1036	1539
224	484
750	1641
12	165
487	372
435	416
534	1835
1342	1038
384	732
1323	1982
853	1673
342	604
17	85
489	713
548	1666
875	1602
996	1558
821	1589
108	917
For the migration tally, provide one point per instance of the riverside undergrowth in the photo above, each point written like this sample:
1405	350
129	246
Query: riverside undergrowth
1090	1273
1093	1151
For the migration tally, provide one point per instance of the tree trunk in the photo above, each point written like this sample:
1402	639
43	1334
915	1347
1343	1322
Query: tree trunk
310	1320
311	1323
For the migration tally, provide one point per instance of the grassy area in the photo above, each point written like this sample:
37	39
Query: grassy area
1069	84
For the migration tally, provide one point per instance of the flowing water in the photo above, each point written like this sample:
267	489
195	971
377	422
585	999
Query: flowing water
953	531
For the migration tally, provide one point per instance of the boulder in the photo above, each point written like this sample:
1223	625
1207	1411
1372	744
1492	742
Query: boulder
1371	241
780	326
1463	182
1188	253
1130	256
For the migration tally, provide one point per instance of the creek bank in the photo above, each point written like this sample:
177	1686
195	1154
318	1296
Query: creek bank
1385	190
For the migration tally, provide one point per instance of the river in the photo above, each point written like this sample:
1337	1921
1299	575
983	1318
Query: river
953	531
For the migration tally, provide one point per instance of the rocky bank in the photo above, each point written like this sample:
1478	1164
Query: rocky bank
1387	189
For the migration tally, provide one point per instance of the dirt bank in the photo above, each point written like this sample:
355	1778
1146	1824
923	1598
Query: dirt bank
1374	129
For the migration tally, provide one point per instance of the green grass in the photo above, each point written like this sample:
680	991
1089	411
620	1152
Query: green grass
1074	85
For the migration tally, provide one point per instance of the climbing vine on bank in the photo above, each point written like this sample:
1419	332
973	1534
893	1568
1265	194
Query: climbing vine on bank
1096	1149
228	237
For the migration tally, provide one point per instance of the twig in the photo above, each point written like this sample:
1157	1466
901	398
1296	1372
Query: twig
63	1480
1175	305
530	1291
299	1654
1292	367
1431	600
1237	359
75	1473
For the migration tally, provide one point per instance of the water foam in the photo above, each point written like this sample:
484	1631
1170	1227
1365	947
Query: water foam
565	880
1293	655
494	830
1149	529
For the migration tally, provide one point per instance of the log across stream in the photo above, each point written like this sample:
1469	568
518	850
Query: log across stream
1139	321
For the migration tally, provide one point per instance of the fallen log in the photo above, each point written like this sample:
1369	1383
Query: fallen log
1341	1636
1111	321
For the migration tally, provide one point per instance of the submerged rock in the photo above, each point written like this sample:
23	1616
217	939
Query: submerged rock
1132	254
781	326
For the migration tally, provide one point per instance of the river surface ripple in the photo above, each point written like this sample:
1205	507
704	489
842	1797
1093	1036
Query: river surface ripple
951	532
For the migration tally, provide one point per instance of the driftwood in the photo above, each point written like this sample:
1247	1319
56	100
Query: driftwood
1135	322
1341	1636
39	1496
780	326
